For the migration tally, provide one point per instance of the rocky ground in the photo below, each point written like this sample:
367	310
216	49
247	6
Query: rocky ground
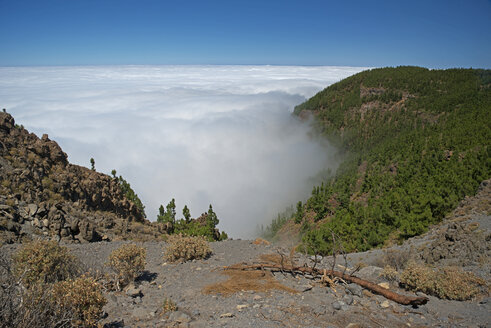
198	288
463	240
43	196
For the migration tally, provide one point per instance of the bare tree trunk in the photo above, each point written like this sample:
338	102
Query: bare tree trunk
398	298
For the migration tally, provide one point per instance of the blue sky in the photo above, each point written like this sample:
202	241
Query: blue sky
436	34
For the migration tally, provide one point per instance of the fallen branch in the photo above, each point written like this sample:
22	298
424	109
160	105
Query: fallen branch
398	298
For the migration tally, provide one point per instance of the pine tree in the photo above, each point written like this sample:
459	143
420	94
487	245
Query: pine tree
299	214
171	210
168	214
212	218
186	214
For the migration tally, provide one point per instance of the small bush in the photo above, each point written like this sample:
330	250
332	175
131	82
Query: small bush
185	248
35	307
396	258
27	307
44	262
389	273
82	297
168	306
449	283
128	261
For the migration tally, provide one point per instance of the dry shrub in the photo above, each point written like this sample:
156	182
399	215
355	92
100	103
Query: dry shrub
44	262
242	280
82	297
185	248
260	241
460	285
107	280
27	307
397	258
128	261
35	293
34	307
168	306
448	282
390	274
360	265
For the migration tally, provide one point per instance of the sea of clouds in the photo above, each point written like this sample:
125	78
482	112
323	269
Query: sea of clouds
200	134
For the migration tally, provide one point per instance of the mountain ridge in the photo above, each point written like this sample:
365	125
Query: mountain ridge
44	196
414	142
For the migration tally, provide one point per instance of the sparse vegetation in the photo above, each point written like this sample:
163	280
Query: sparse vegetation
185	248
44	262
128	261
27	307
43	289
168	306
205	225
130	194
82	297
272	229
447	282
397	258
390	273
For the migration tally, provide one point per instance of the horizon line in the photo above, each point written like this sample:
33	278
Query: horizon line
224	65
274	65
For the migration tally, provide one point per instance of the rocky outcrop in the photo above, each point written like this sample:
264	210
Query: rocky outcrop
464	239
42	195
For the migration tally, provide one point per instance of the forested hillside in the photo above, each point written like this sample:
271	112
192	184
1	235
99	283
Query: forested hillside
414	142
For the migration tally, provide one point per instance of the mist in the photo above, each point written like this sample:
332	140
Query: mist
220	135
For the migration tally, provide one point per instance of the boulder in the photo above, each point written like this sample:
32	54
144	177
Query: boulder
133	291
7	122
33	208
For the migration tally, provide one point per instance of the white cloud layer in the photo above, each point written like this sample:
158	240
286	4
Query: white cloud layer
200	134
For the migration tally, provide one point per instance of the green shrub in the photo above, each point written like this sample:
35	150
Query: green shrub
82	297
205	225
44	262
449	282
185	248
130	194
223	236
128	261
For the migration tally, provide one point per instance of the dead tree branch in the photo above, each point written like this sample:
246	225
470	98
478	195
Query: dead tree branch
398	298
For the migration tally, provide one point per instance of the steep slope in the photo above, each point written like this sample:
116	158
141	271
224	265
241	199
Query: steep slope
43	195
414	142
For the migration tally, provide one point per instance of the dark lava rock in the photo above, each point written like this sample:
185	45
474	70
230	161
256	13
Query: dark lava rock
57	199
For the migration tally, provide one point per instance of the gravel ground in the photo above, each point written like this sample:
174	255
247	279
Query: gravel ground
313	304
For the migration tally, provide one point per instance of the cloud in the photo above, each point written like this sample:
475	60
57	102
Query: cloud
200	134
